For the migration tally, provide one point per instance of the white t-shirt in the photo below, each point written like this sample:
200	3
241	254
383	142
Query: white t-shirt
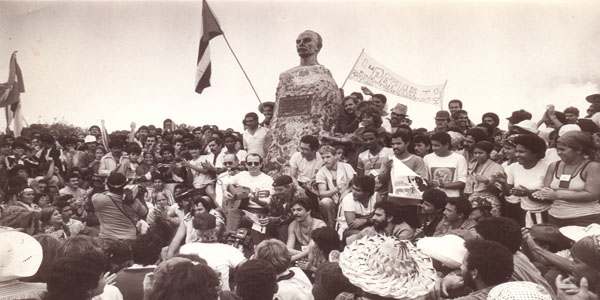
343	177
262	185
305	170
201	180
220	257
254	143
222	180
296	288
451	168
370	163
348	204
532	179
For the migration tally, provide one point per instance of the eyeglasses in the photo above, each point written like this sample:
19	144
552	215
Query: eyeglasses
253	163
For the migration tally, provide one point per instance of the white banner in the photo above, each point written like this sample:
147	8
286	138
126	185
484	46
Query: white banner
369	72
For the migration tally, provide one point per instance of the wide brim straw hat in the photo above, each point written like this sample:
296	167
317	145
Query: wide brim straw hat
576	233
20	255
388	267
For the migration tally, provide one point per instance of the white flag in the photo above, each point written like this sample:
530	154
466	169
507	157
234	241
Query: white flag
369	72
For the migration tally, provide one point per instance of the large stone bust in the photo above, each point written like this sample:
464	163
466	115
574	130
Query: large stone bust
307	101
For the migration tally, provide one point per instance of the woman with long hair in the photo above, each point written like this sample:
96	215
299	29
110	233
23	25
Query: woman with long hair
52	223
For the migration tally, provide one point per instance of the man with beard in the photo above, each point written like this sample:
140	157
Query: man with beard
300	230
485	265
386	221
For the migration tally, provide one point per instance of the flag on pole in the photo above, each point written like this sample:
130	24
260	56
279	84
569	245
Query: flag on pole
10	95
370	72
210	29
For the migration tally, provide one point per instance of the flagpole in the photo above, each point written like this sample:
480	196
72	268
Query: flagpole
354	65
235	56
443	94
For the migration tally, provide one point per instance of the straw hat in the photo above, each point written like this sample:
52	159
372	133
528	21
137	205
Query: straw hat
388	267
575	233
448	249
519	290
20	255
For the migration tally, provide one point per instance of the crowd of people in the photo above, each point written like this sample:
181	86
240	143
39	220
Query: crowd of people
373	209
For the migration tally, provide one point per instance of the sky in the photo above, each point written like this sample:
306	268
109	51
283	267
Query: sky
135	61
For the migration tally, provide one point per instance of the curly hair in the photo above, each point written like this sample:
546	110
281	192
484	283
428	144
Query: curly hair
256	279
187	281
493	261
502	230
374	114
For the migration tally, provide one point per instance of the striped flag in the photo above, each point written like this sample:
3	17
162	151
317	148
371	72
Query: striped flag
210	29
10	95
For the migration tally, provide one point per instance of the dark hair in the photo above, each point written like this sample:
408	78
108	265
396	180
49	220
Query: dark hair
350	98
374	114
146	249
133	148
72	174
390	210
478	133
405	135
493	116
256	280
422	138
493	262
81	244
502	230
463	206
73	277
50	246
460	104
167	148
118	253
486	146
442	138
531	142
365	183
312	141
251	115
186	281
217	140
204	221
357	95
115	143
381	97
195	145
302	203
437	197
327	239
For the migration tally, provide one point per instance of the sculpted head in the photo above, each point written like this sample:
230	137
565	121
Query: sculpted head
308	43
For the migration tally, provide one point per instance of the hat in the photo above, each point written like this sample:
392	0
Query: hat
448	249
567	128
519	116
442	114
587	250
576	233
116	180
519	290
400	109
388	267
282	180
20	255
594	98
89	139
528	125
261	107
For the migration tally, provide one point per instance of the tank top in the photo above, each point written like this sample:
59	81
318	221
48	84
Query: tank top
564	209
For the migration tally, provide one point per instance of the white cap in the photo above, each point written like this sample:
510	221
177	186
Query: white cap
89	139
20	255
568	128
448	249
528	125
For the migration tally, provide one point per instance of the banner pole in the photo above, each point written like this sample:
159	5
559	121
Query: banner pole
443	94
354	65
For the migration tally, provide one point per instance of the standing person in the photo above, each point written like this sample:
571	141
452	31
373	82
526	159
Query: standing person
266	109
446	170
72	187
299	231
491	121
229	141
422	145
526	177
114	160
442	121
118	212
333	180
370	161
572	184
482	173
254	136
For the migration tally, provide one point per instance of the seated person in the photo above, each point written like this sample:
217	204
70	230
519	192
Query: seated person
299	231
456	218
357	207
386	221
431	212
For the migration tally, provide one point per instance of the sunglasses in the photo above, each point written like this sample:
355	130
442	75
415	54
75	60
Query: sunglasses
253	163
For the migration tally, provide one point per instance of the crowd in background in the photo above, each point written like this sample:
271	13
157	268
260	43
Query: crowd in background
373	209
